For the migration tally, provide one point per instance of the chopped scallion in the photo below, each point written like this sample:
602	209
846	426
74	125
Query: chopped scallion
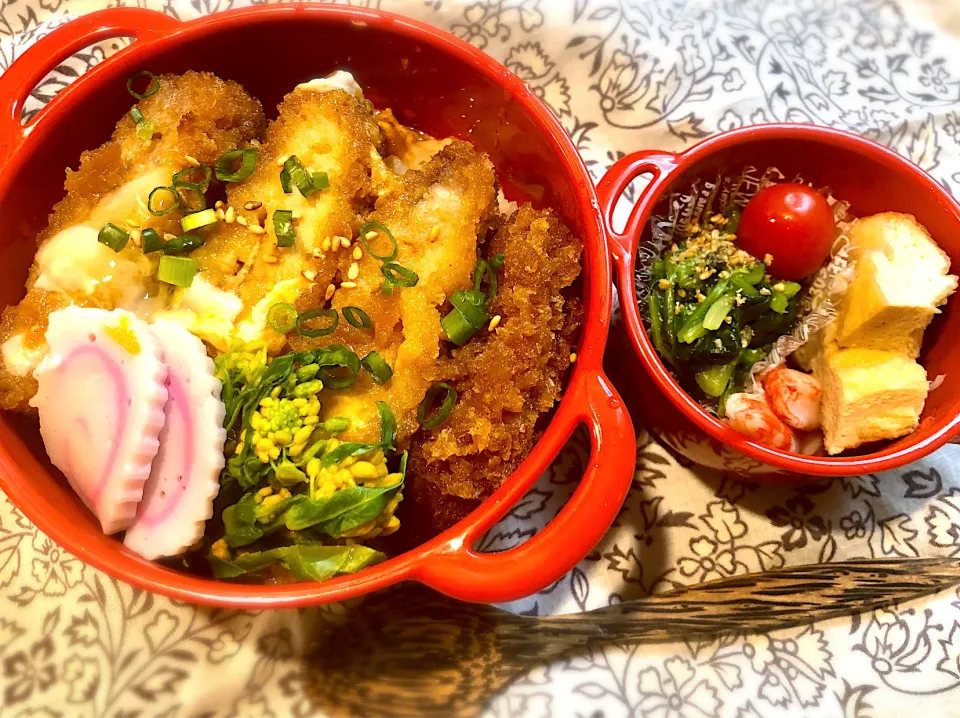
199	219
185	178
388	426
283	227
336	424
183	244
399	275
333	320
152	88
433	420
113	236
282	317
337	356
158	205
294	174
151	241
320	181
457	328
146	130
178	271
136	116
381	229
378	367
226	169
358	318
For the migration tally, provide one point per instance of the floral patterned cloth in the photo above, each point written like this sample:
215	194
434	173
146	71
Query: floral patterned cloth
621	76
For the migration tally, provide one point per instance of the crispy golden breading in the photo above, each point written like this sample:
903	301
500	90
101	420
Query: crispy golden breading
332	132
436	216
506	379
196	114
414	149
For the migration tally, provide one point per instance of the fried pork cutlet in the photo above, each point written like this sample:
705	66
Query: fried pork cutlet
196	115
436	216
329	131
506	379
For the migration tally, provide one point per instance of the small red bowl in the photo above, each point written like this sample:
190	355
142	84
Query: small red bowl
435	83
873	179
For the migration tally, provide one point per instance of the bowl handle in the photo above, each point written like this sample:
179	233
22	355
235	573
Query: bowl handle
45	54
623	245
459	571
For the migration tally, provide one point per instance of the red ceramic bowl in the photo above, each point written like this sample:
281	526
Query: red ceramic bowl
871	177
434	82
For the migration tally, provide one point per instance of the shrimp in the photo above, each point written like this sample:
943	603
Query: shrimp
793	396
751	416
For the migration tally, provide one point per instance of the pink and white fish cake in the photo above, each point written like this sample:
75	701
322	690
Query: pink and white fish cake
100	399
178	497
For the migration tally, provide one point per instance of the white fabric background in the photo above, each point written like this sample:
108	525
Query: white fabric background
643	74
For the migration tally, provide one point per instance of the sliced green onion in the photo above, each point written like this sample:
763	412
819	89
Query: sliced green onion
399	275
432	421
320	180
472	304
203	218
356	317
152	89
388	425
333	356
387	287
336	424
457	328
113	236
151	241
311	314
180	245
225	164
153	202
178	271
378	367
283	227
294	174
497	261
146	130
182	179
282	317
381	229
136	116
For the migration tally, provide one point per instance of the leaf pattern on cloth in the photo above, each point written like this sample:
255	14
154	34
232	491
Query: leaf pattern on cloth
620	77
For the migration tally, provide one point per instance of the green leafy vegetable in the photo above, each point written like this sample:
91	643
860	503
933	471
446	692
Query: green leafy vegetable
306	561
342	511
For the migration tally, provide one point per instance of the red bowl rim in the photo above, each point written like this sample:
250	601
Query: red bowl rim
597	294
883	460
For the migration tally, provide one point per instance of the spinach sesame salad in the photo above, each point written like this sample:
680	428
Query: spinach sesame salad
714	310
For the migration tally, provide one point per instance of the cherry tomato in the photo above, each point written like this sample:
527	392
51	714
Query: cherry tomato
792	223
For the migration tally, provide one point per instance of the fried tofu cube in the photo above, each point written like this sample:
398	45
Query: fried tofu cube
868	395
902	277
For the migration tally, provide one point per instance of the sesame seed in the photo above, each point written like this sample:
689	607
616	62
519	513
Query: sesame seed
494	323
348	285
242	221
229	216
257	229
253	205
329	293
192	160
434	232
325	244
573	358
269	259
317	253
344	241
281	160
372	234
132	223
167	236
354	271
218	204
357	252
135	236
309	275
221	215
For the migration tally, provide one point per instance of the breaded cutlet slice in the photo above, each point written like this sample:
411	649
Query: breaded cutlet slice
506	380
197	115
331	131
437	216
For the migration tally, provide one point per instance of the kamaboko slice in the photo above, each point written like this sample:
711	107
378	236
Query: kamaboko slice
100	398
178	497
